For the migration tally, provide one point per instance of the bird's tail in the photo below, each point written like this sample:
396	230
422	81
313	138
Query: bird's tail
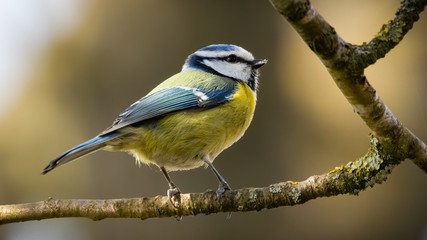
85	148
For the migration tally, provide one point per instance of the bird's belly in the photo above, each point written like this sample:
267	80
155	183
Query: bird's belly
179	141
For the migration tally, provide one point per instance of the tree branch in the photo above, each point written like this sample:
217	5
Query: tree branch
346	63
391	33
391	142
349	179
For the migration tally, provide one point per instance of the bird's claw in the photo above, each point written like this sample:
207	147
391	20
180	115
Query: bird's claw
174	195
223	187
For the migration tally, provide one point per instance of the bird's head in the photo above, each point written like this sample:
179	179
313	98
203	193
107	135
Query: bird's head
227	60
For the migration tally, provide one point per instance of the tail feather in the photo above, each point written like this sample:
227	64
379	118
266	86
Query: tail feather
85	148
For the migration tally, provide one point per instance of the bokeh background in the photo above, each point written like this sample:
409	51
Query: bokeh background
68	67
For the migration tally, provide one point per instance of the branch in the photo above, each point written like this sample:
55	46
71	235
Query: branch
349	179
391	33
346	63
391	142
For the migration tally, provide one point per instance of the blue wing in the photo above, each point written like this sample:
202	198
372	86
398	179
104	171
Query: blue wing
168	101
154	105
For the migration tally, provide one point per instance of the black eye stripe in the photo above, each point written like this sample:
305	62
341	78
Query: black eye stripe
238	59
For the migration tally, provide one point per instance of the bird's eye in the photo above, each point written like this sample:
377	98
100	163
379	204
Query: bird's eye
231	59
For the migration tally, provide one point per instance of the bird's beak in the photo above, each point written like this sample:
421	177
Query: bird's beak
257	63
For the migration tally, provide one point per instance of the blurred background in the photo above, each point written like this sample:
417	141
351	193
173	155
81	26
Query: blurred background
69	67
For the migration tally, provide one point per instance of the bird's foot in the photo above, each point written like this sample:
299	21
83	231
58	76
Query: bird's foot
222	189
174	195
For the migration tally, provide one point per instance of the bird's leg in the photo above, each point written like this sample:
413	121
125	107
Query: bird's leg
173	191
223	185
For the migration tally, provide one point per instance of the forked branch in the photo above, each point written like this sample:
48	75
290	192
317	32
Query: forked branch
346	64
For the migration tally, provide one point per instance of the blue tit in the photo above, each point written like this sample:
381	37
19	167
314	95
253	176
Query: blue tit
187	120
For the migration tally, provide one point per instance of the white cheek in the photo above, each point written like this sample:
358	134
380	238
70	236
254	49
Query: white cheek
239	71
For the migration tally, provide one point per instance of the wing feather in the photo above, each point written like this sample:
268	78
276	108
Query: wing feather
168	101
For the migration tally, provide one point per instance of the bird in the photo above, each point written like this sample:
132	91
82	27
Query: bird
188	119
